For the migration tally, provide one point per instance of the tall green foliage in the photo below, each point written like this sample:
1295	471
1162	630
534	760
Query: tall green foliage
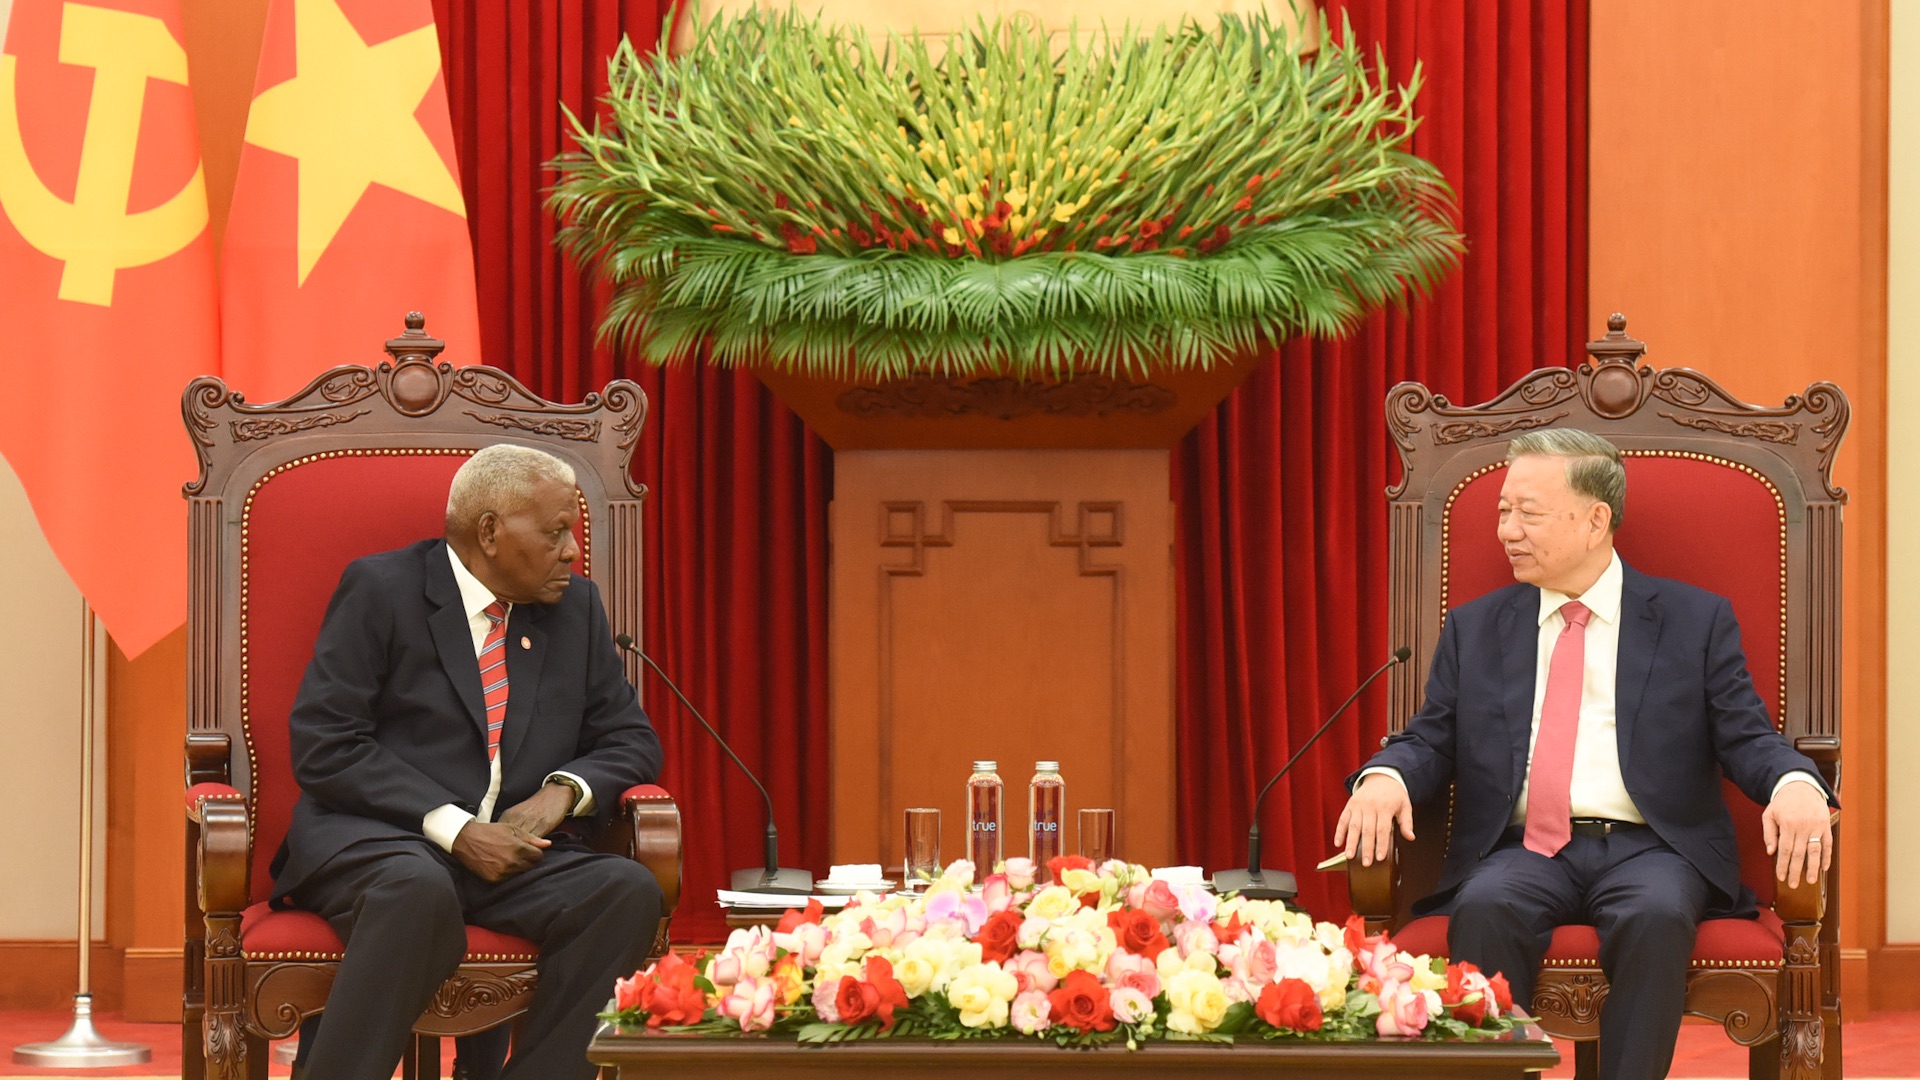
802	196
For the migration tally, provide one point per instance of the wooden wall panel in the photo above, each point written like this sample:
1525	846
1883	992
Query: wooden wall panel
1014	605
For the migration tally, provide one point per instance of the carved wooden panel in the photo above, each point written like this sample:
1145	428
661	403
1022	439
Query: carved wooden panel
1013	605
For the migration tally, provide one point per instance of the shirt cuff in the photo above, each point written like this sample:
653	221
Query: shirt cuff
584	805
1801	776
1381	770
443	824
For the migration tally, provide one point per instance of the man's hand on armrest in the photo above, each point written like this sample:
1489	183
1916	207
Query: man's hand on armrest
1366	825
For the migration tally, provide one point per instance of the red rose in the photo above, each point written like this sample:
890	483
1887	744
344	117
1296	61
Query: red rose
1082	1003
888	994
675	998
632	993
1291	1004
1060	864
1464	981
1356	938
796	918
856	1000
999	937
1138	932
1229	931
1502	993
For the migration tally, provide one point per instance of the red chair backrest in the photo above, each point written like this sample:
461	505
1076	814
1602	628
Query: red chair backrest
1690	517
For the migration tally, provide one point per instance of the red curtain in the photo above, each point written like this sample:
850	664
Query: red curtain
735	525
1282	548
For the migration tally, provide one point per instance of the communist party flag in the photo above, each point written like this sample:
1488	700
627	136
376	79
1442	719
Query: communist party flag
347	211
107	296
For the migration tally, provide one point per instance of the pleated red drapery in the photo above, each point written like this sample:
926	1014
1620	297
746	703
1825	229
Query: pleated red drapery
1283	529
735	525
1282	547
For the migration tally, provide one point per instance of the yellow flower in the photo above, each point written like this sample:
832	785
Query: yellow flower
951	235
1053	903
946	189
1424	977
1063	213
981	994
1080	882
793	121
1198	1002
915	974
1014	224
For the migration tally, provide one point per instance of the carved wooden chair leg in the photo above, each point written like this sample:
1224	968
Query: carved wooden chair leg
193	1050
226	1044
257	1056
1586	1060
1763	1061
1801	1027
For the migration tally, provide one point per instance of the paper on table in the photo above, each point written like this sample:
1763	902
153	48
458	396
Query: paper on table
1180	875
729	898
1334	862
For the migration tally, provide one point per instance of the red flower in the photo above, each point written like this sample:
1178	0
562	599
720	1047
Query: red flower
796	918
632	993
856	1000
780	201
1149	228
1502	993
675	998
1186	231
888	994
1245	203
1082	1003
1138	932
1291	1004
1230	930
1253	184
999	937
1463	981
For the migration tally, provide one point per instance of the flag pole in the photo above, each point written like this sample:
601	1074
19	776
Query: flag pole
82	1047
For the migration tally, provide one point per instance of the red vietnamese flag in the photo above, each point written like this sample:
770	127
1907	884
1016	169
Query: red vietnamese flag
106	295
347	211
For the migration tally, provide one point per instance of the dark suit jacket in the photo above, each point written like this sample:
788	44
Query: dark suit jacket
389	722
1685	711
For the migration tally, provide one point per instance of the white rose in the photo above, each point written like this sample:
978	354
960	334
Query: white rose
982	994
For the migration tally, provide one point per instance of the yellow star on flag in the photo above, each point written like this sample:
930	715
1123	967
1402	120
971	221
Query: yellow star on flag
348	117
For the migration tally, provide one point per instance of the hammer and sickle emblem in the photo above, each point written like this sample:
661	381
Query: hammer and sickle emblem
94	235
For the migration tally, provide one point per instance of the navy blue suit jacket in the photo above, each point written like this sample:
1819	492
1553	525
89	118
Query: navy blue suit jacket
390	723
1685	711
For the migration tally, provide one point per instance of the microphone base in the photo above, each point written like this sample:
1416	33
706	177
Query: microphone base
1257	884
782	881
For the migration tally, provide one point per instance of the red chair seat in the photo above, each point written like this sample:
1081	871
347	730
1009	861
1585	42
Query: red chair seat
266	934
1723	943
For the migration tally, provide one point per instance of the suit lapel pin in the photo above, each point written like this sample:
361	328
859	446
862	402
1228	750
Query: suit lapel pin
526	643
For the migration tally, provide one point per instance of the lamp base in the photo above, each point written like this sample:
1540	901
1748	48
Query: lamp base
782	881
1256	884
81	1047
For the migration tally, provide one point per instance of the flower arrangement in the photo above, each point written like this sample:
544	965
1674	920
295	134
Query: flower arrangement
793	194
1104	954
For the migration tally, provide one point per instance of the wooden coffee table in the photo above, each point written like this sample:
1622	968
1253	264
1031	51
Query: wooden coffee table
1525	1052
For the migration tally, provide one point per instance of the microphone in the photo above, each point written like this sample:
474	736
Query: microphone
1255	883
772	878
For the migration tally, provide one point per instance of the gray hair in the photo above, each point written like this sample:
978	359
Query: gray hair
500	478
1593	464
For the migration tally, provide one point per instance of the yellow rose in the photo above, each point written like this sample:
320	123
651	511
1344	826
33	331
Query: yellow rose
1424	977
1053	904
915	974
1339	973
1198	1002
981	994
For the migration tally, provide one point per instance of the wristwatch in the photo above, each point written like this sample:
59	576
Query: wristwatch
579	793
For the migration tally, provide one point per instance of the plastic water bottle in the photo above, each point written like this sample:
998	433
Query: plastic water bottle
985	794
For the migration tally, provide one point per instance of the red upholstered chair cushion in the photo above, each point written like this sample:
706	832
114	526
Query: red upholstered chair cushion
1734	545
1722	943
303	524
266	934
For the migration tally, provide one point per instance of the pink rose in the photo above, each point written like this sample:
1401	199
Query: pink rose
1030	969
1130	1005
1030	1011
1158	900
1020	873
1258	960
997	893
806	941
1194	937
751	1003
1403	1010
1134	971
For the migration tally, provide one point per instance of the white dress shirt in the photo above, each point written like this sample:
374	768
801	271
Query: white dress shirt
443	823
1598	790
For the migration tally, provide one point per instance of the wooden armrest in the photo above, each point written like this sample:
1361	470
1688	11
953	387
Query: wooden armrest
1374	890
222	856
1807	901
646	829
200	794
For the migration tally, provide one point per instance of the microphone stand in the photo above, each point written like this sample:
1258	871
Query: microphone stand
771	878
1256	883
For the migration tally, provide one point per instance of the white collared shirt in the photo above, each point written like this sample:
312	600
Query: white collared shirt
443	823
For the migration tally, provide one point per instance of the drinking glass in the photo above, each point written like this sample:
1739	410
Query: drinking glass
1096	834
922	865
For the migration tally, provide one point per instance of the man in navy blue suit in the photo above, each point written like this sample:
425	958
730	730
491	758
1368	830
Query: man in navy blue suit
464	728
1585	714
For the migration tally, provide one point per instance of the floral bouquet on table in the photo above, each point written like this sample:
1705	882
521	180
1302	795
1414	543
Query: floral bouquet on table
1103	954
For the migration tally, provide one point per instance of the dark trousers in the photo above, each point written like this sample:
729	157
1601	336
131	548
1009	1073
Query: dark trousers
1644	900
402	907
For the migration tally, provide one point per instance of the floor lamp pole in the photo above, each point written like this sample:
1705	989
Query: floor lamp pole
82	1047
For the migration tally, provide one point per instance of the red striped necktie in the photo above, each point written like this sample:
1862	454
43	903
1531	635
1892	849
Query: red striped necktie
493	674
1550	782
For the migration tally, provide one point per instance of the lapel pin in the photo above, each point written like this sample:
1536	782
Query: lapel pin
526	643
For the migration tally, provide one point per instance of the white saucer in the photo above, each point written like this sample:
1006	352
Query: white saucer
848	888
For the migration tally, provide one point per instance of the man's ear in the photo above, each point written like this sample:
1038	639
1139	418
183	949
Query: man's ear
487	531
1600	519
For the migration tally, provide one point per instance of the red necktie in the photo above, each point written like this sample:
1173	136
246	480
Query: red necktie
493	674
1550	780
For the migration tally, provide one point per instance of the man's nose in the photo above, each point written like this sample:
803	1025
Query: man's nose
1509	529
572	550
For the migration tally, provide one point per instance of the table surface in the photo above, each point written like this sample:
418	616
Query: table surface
1526	1051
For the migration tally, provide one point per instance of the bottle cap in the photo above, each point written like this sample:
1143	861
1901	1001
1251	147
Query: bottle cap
985	766
1047	766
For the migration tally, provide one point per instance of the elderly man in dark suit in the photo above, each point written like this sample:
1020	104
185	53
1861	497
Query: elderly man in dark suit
1585	715
464	726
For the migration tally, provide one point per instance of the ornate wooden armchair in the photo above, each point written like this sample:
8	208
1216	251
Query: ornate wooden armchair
288	494
1725	495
